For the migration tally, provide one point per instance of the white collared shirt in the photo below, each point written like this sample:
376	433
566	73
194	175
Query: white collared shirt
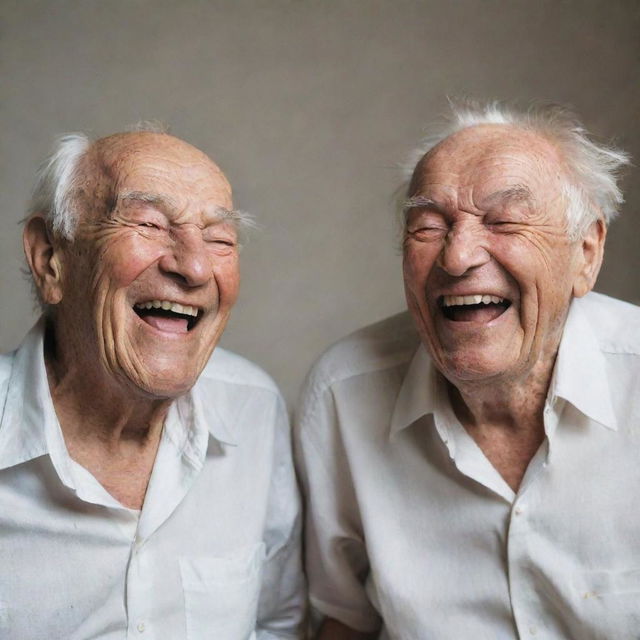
214	552
409	523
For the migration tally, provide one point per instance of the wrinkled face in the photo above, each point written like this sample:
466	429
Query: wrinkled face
488	267
152	273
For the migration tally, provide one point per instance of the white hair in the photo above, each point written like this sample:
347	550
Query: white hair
590	189
58	181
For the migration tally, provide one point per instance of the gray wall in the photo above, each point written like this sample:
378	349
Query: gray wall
308	106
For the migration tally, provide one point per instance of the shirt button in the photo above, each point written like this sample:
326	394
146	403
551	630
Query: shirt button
140	627
533	630
518	510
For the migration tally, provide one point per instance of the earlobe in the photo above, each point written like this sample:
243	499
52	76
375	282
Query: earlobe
592	251
43	258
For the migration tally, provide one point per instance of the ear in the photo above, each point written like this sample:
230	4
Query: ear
590	257
44	259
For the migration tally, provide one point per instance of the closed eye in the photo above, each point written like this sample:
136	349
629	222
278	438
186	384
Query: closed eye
503	225
427	233
425	224
219	235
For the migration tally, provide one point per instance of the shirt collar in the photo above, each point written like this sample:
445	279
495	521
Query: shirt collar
579	377
28	411
29	426
418	395
580	374
219	415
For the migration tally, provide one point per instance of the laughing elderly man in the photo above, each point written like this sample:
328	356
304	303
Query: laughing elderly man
472	468
145	490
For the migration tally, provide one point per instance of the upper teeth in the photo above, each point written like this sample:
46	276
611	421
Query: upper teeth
450	301
168	306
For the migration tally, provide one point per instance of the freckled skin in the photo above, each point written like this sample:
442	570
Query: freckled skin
114	262
498	372
470	242
530	260
113	376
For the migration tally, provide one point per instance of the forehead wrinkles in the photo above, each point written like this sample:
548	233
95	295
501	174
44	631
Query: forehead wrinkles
160	155
465	173
150	161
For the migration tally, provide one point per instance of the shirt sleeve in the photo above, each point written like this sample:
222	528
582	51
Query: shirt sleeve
282	604
336	559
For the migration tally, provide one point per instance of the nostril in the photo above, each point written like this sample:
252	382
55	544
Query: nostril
188	266
458	257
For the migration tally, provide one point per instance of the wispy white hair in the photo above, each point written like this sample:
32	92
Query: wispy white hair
592	169
57	182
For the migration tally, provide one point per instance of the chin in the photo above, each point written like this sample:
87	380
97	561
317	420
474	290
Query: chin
473	368
169	382
162	388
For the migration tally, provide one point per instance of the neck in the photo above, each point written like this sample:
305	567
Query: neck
108	428
507	407
505	418
107	414
92	405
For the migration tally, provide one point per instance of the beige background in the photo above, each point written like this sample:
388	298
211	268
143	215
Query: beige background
309	106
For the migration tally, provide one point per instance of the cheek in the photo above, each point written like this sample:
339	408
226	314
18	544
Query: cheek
124	263
547	270
527	262
227	277
417	265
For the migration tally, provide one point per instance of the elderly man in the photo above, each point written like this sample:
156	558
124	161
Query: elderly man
471	469
145	490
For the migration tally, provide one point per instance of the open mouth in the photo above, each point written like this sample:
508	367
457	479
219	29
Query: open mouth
168	316
477	307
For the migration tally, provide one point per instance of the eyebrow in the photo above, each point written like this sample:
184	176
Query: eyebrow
167	203
161	201
420	201
517	193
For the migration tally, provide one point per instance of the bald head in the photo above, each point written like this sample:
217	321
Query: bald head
81	176
120	149
124	164
589	169
151	222
475	148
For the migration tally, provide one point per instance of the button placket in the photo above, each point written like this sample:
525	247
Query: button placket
137	588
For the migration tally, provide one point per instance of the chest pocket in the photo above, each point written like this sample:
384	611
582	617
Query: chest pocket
607	604
221	594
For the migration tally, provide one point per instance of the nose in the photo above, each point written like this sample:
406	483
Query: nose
463	250
186	257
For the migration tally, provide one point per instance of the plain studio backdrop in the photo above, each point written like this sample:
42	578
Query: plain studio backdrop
309	106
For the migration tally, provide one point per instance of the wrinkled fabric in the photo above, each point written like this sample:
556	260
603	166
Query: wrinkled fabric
214	552
410	528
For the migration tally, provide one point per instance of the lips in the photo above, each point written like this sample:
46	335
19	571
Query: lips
476	307
168	315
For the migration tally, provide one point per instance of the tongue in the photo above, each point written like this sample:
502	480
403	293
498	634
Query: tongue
475	312
171	325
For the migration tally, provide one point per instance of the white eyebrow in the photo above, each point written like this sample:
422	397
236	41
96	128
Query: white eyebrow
418	201
169	204
149	198
518	193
